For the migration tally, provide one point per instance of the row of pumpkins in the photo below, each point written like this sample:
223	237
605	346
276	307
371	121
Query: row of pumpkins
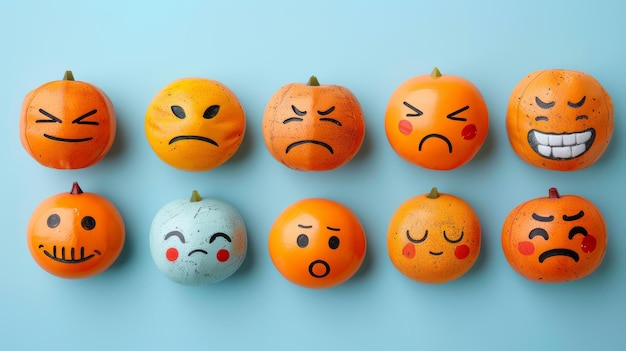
557	119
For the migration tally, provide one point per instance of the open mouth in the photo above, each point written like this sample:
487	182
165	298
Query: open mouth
193	137
438	136
559	252
317	272
67	140
63	258
563	146
316	142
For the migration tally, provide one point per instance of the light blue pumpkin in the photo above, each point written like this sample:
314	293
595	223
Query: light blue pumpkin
198	240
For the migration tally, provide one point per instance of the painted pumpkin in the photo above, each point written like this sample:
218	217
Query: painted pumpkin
195	124
554	239
76	234
313	127
559	119
317	243
67	124
437	121
434	238
198	240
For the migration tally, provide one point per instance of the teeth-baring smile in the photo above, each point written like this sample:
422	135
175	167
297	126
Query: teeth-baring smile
561	146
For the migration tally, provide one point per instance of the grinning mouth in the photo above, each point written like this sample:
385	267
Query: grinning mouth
67	140
558	252
193	137
316	142
563	146
438	136
72	257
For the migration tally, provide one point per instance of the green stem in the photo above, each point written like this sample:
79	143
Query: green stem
435	73
313	82
434	193
68	75
195	196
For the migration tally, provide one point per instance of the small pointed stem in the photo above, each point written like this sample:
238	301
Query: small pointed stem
313	82
435	73
195	196
68	75
76	190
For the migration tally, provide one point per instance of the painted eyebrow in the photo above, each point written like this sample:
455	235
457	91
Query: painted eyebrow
292	119
332	120
577	104
333	229
542	218
324	113
579	215
175	233
79	120
218	235
52	117
298	112
544	105
417	111
453	117
305	226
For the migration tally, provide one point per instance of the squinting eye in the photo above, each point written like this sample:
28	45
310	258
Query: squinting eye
544	105
415	109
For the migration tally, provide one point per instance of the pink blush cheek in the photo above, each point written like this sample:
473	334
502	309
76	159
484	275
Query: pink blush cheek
469	132
461	251
408	251
171	254
405	127
526	248
222	255
588	244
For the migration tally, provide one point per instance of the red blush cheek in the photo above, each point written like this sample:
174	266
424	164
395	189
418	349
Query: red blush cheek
461	251
171	254
408	251
223	255
405	127
588	244
469	132
526	248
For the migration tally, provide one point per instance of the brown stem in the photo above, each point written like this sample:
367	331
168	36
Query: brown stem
76	190
553	193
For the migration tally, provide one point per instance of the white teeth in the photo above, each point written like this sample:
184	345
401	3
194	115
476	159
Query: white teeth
578	150
569	139
541	138
562	152
555	140
582	137
562	146
544	150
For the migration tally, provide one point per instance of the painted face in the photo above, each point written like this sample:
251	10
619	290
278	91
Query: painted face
198	241
436	121
67	124
312	127
76	234
554	239
317	243
434	238
195	124
559	120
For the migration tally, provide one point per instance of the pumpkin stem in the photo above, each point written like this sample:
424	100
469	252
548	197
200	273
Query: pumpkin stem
76	190
313	82
68	75
195	196
553	193
434	193
435	73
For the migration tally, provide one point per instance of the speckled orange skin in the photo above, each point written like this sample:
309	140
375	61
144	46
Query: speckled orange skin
335	243
209	132
569	107
554	239
67	124
313	128
416	243
437	122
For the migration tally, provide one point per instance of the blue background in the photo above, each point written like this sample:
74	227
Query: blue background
132	49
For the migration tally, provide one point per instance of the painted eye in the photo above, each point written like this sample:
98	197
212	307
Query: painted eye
417	111
53	220
538	232
452	240
178	112
302	240
544	105
211	111
333	242
416	241
88	223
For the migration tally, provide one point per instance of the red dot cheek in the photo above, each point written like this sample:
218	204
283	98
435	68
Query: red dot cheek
223	255
405	127
408	251
526	248
469	132
588	244
171	254
461	251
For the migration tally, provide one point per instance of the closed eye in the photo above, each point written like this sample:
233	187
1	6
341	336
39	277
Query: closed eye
219	235
453	116
292	119
453	241
177	234
324	113
538	232
577	104
577	230
51	117
297	112
544	105
80	120
417	241
415	109
332	120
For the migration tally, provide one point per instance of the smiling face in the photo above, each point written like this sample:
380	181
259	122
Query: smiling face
67	124
555	238
195	124
434	238
198	242
559	119
436	121
75	235
313	127
317	243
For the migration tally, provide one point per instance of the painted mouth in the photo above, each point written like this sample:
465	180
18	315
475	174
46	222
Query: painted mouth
316	142
61	256
193	137
563	146
198	251
322	263
559	252
437	136
436	253
67	140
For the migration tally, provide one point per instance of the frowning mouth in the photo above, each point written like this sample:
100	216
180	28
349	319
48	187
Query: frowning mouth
558	252
437	136
193	137
562	146
64	258
316	142
67	140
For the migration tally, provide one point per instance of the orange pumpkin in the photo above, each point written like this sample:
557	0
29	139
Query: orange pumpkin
195	124
559	119
75	234
317	243
555	238
67	124
434	238
313	127
437	121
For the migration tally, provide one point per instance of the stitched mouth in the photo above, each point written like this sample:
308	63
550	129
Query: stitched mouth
316	142
438	136
63	258
67	140
193	137
558	252
562	146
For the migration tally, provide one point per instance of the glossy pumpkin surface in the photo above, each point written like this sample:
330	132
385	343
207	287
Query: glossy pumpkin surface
67	124
555	238
313	127
195	124
559	119
434	238
317	243
76	234
437	121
